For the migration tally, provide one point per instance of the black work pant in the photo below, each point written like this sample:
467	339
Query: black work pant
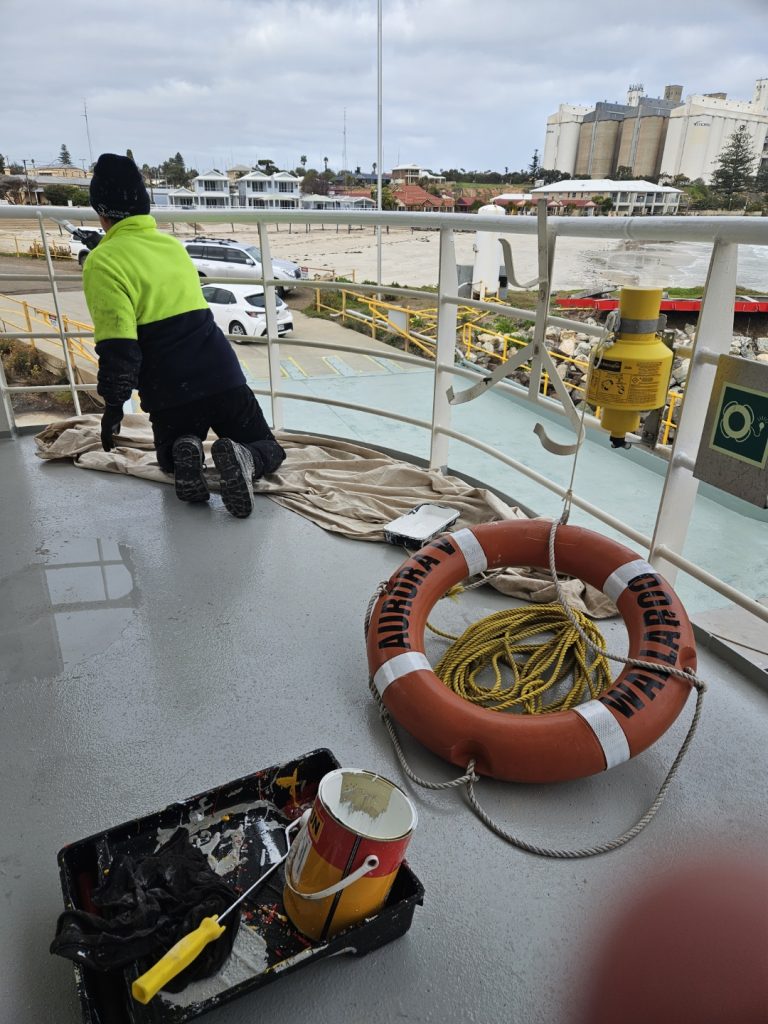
234	414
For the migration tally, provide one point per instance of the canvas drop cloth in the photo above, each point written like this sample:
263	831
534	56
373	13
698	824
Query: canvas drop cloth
340	486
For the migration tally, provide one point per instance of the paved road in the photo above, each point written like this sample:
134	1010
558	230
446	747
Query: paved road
296	362
68	276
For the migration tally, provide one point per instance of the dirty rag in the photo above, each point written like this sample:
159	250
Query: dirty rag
145	907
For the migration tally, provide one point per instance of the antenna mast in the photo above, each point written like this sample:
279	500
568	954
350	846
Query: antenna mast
87	131
344	153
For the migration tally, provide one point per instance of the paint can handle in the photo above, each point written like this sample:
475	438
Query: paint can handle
369	864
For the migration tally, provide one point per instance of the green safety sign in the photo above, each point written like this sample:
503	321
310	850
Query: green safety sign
741	425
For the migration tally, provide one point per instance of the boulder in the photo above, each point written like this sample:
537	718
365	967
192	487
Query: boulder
582	351
680	370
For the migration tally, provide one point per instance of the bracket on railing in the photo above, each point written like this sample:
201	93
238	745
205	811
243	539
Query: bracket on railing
509	268
536	350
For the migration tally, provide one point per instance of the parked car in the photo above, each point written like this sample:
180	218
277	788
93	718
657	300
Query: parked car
240	310
223	258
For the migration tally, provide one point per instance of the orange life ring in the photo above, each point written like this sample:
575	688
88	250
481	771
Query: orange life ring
638	708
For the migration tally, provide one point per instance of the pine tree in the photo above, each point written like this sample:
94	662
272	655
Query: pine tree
734	169
64	158
175	171
129	154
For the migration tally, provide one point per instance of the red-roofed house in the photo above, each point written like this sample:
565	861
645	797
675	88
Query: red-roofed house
415	198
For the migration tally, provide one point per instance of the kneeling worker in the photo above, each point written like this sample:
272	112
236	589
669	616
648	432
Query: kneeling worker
155	332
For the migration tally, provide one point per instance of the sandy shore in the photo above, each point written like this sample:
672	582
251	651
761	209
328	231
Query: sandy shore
411	257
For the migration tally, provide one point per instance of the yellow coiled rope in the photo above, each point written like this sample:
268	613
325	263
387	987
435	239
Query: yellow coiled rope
504	639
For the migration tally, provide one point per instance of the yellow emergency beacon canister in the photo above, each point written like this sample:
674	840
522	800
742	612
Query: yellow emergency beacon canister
632	375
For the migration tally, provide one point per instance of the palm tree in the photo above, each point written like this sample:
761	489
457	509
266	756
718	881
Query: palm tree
303	161
325	161
375	165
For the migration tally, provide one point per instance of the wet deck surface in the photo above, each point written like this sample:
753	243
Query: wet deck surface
151	650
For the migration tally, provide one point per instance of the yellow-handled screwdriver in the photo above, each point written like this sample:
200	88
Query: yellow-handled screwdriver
191	945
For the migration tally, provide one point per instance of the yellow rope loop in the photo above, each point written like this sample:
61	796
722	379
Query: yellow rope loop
507	640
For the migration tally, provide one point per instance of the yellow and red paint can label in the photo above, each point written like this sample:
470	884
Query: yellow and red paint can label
356	815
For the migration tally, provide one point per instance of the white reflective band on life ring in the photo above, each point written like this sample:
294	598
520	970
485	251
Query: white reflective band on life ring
608	731
617	582
400	665
472	550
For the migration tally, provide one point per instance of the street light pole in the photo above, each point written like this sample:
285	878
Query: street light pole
379	204
29	191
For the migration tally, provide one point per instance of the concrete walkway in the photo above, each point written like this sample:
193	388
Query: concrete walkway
296	363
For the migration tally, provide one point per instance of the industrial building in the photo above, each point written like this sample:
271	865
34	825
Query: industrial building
651	136
700	129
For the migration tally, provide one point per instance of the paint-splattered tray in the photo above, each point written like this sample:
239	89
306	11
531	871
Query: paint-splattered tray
240	825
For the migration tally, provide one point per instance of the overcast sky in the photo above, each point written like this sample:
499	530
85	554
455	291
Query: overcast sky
466	84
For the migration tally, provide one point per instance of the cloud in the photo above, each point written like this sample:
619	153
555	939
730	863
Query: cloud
465	84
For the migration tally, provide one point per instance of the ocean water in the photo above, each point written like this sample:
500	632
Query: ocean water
597	264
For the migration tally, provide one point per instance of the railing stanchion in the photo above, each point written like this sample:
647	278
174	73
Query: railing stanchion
273	345
59	318
714	333
445	352
7	419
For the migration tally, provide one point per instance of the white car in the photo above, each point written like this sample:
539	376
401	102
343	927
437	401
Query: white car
240	310
222	258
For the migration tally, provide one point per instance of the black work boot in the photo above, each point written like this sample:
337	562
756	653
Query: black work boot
188	461
235	465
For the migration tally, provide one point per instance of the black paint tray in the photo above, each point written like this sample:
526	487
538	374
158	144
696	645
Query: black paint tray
241	824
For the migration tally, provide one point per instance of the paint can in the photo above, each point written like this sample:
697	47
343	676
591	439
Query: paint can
344	860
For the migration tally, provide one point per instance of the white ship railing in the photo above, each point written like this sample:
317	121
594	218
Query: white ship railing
713	337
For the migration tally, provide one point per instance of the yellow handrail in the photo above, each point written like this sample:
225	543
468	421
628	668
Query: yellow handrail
378	316
25	317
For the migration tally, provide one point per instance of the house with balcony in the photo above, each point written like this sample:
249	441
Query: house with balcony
630	198
182	199
211	190
412	174
340	202
260	191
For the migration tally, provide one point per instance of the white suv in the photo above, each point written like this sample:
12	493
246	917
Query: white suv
224	258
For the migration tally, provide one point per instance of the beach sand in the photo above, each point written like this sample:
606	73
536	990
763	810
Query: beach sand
411	257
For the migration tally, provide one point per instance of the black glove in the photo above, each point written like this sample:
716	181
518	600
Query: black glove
110	424
88	238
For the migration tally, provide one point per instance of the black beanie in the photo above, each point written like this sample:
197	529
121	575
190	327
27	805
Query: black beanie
117	188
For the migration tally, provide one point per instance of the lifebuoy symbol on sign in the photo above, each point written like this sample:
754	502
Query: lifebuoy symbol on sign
736	421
